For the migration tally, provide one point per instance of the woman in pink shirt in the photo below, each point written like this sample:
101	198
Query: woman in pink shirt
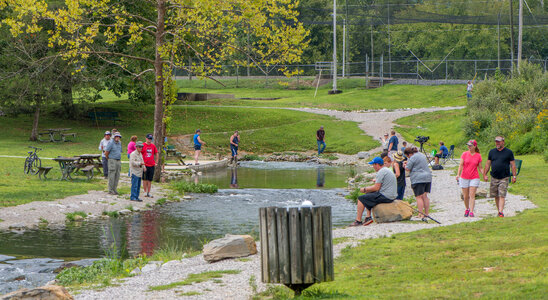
130	149
468	176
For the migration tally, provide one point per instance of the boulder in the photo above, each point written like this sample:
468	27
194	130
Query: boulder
395	211
50	292
480	193
230	246
363	155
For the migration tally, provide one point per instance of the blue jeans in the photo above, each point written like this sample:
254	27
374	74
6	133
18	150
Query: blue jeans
135	187
320	148
129	170
401	191
469	95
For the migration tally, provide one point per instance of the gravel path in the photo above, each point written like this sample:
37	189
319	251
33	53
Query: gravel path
445	200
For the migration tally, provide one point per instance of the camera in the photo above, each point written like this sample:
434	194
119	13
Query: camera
422	139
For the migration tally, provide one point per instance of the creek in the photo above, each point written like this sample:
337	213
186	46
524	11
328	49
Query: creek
186	224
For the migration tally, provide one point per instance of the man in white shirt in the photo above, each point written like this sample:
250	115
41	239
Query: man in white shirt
103	146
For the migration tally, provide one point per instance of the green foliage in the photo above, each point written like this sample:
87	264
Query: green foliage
112	214
195	278
70	216
516	108
191	187
249	157
353	195
161	201
100	272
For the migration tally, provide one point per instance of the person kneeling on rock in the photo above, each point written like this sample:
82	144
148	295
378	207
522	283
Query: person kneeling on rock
385	190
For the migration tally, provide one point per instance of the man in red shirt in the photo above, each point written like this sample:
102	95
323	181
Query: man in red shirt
151	157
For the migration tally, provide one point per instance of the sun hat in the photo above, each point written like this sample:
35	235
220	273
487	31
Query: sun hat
499	139
398	156
117	134
107	133
377	160
139	144
149	136
472	143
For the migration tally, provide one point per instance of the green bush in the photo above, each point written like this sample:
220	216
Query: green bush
516	108
249	157
190	187
353	196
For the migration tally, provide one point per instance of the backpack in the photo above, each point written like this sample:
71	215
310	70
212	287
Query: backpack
437	167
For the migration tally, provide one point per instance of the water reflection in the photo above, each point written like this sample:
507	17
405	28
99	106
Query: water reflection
320	178
234	178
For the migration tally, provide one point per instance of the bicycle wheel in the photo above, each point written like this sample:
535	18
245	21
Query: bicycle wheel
36	164
27	165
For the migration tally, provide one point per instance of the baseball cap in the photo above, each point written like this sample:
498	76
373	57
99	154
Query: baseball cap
499	139
139	144
117	134
107	133
377	160
472	143
149	136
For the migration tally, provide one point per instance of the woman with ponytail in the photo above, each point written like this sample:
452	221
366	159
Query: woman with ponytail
468	176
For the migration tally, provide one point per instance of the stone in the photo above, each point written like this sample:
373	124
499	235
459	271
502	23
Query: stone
480	193
78	218
395	211
64	266
231	246
135	271
151	266
50	292
124	212
5	257
17	226
363	155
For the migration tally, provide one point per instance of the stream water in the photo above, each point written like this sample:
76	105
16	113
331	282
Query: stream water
187	224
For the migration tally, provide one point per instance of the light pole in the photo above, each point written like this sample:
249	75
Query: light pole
334	66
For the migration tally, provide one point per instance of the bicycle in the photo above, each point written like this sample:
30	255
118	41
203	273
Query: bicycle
33	162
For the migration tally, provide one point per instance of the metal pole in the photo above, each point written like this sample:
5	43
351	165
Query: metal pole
248	50
511	37
367	69
344	49
520	32
237	75
389	55
498	44
417	71
446	70
334	46
475	67
382	70
372	54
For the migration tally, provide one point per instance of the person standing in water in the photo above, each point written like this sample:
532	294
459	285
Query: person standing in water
234	141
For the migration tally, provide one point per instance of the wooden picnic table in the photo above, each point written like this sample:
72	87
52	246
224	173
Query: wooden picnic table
86	160
51	132
67	165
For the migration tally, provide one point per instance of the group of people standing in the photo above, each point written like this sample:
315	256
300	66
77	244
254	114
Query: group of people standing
143	158
198	142
392	165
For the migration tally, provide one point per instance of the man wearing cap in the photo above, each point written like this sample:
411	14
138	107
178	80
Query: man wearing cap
384	141
103	146
136	165
113	153
383	191
320	136
442	154
151	158
499	160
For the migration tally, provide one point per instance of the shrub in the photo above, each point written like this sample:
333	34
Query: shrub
353	196
70	216
190	187
249	157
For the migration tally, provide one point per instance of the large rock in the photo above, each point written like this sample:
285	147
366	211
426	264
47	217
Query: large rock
480	193
229	247
363	155
50	292
395	211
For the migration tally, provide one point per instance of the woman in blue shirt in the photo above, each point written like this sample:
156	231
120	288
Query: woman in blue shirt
197	145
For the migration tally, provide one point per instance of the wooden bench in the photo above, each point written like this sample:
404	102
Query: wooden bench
43	171
104	115
88	170
171	152
65	135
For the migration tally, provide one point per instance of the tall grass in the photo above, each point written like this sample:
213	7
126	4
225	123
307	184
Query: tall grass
191	187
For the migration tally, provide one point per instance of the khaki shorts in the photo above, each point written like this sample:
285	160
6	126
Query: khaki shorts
499	187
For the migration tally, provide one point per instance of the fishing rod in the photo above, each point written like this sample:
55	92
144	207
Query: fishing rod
429	217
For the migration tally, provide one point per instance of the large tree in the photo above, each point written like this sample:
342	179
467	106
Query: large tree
155	36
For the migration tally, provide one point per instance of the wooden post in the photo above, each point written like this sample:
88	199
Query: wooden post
295	245
264	245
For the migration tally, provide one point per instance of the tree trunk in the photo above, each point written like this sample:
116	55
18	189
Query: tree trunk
34	132
159	88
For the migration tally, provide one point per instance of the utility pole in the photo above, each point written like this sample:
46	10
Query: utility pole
520	32
248	50
334	91
512	36
344	49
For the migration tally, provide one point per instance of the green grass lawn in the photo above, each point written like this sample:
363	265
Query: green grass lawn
353	97
18	188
